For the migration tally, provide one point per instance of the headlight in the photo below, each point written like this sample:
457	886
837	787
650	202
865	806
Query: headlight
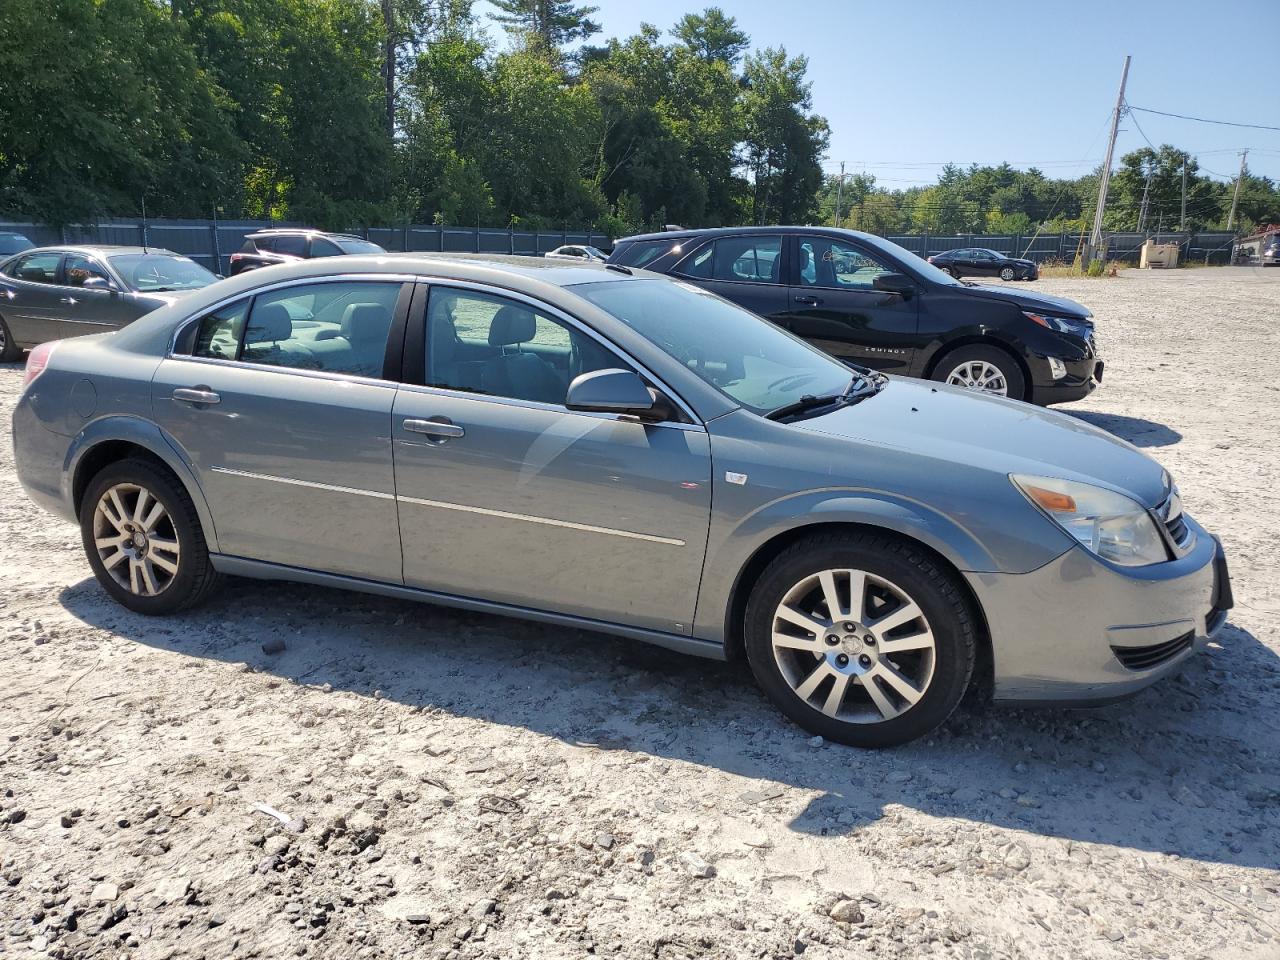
1107	523
1059	324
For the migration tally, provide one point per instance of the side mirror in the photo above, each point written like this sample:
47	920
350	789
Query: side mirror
615	391
898	283
98	283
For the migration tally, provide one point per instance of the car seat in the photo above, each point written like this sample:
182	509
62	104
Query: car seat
523	376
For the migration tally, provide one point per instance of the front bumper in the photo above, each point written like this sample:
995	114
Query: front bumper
1079	631
1083	377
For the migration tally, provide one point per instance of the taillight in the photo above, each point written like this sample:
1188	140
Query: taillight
37	360
928	259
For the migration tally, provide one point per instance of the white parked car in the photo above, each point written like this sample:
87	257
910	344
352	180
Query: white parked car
579	252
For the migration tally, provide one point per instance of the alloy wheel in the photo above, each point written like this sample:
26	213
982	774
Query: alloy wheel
853	645
1006	273
979	375
136	539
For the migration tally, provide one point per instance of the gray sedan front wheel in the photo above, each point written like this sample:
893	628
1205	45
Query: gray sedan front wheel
862	638
143	538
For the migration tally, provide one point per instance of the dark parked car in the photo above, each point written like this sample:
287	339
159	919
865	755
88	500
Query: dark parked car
13	243
871	303
48	293
981	262
268	247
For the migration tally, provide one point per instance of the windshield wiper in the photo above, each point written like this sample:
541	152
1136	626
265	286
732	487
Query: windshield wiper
861	386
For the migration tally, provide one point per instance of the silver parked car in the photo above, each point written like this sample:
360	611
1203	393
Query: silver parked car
579	252
618	451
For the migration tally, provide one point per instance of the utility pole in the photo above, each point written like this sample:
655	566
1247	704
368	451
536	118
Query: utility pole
1182	223
1235	196
1095	238
1142	211
839	193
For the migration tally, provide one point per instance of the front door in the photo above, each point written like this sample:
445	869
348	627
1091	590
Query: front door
97	300
835	306
506	495
747	270
278	401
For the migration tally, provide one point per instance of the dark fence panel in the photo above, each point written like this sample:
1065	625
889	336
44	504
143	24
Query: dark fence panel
211	243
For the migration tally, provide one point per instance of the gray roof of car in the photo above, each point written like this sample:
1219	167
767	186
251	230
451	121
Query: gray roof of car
102	249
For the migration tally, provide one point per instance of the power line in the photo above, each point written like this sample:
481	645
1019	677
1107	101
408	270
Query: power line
1224	123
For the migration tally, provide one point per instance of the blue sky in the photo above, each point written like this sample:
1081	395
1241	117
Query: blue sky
910	84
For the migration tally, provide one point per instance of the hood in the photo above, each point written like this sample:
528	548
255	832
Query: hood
953	425
1031	301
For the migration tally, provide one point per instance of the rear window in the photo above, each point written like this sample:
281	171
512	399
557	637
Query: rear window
643	252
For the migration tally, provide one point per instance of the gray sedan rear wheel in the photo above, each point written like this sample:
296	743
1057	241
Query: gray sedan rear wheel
861	638
9	351
143	538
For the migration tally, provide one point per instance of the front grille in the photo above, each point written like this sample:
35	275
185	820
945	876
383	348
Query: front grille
1175	522
1144	658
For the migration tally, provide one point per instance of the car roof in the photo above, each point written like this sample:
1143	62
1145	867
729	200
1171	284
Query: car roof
302	231
788	229
102	249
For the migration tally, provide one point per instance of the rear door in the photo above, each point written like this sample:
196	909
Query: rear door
279	402
747	269
33	303
835	306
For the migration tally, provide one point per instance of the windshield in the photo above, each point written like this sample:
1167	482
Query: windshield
156	272
358	246
749	359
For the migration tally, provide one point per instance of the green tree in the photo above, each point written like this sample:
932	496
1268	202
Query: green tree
134	118
550	23
783	141
712	35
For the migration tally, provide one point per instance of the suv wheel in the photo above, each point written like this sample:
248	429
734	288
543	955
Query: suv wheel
860	638
143	539
984	369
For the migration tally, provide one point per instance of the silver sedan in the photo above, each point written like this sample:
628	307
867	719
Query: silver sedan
617	451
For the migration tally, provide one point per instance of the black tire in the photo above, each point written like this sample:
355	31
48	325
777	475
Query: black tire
955	274
9	351
1016	383
195	577
1012	274
933	588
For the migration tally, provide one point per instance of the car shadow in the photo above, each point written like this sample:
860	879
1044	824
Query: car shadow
1177	769
1139	432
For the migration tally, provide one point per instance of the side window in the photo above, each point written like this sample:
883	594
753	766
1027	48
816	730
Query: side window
320	247
831	263
495	346
218	335
744	259
79	268
37	267
292	245
335	327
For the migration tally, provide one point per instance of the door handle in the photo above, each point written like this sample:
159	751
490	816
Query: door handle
808	301
71	300
434	428
196	395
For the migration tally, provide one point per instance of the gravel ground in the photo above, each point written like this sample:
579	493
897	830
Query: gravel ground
466	786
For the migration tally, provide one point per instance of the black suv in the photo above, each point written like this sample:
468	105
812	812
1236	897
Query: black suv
267	247
869	302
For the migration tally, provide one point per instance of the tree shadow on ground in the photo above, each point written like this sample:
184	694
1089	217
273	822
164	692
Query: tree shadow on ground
1139	432
1184	768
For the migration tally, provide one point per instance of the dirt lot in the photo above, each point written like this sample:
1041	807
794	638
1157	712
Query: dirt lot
465	786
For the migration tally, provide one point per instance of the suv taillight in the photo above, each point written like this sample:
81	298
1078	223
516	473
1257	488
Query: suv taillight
37	360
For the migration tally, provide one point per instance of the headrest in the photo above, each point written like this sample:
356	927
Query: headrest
364	321
804	256
511	325
270	323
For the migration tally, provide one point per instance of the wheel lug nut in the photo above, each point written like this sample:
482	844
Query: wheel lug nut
849	627
869	640
842	660
832	639
864	660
